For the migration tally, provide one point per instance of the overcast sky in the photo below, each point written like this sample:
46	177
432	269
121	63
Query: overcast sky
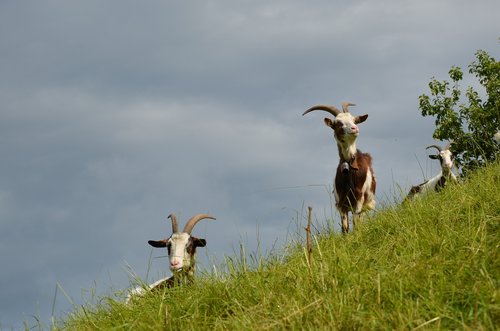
114	114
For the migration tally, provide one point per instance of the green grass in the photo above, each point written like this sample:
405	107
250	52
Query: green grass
430	265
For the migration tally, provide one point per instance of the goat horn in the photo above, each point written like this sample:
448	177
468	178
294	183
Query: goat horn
193	220
345	106
174	223
435	146
448	145
331	109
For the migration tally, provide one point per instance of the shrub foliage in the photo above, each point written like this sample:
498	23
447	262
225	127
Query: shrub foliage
472	124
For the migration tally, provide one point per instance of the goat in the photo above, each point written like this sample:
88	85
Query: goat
181	248
436	183
355	182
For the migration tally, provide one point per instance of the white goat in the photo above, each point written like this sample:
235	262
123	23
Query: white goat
181	248
437	182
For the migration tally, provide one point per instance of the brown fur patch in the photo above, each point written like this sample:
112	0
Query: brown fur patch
349	187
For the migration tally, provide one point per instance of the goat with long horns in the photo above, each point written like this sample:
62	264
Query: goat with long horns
355	181
181	248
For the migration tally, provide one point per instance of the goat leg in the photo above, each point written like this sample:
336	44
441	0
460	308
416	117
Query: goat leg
355	218
345	222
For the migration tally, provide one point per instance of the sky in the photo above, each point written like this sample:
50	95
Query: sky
114	114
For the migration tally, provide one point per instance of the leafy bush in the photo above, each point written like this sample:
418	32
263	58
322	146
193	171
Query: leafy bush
471	125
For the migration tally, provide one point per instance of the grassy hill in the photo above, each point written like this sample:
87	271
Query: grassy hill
431	264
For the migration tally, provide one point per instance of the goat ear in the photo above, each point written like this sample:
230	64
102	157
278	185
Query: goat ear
360	119
329	122
197	242
158	243
434	157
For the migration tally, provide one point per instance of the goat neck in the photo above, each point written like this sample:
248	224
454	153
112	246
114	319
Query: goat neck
347	152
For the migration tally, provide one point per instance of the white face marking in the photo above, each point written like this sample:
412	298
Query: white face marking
346	133
447	158
178	256
348	126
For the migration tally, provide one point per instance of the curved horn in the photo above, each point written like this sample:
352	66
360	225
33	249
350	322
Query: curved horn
448	145
345	106
435	146
331	109
174	223
193	220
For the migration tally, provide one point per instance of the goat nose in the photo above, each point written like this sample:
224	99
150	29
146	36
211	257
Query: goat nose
354	128
174	263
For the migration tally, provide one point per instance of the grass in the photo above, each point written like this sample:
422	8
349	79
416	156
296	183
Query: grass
428	265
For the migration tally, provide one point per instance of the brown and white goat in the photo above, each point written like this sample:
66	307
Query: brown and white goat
355	181
436	183
181	248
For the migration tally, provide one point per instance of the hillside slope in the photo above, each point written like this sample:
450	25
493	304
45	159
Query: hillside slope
431	264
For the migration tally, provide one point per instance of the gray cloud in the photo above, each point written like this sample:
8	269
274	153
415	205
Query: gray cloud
114	115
